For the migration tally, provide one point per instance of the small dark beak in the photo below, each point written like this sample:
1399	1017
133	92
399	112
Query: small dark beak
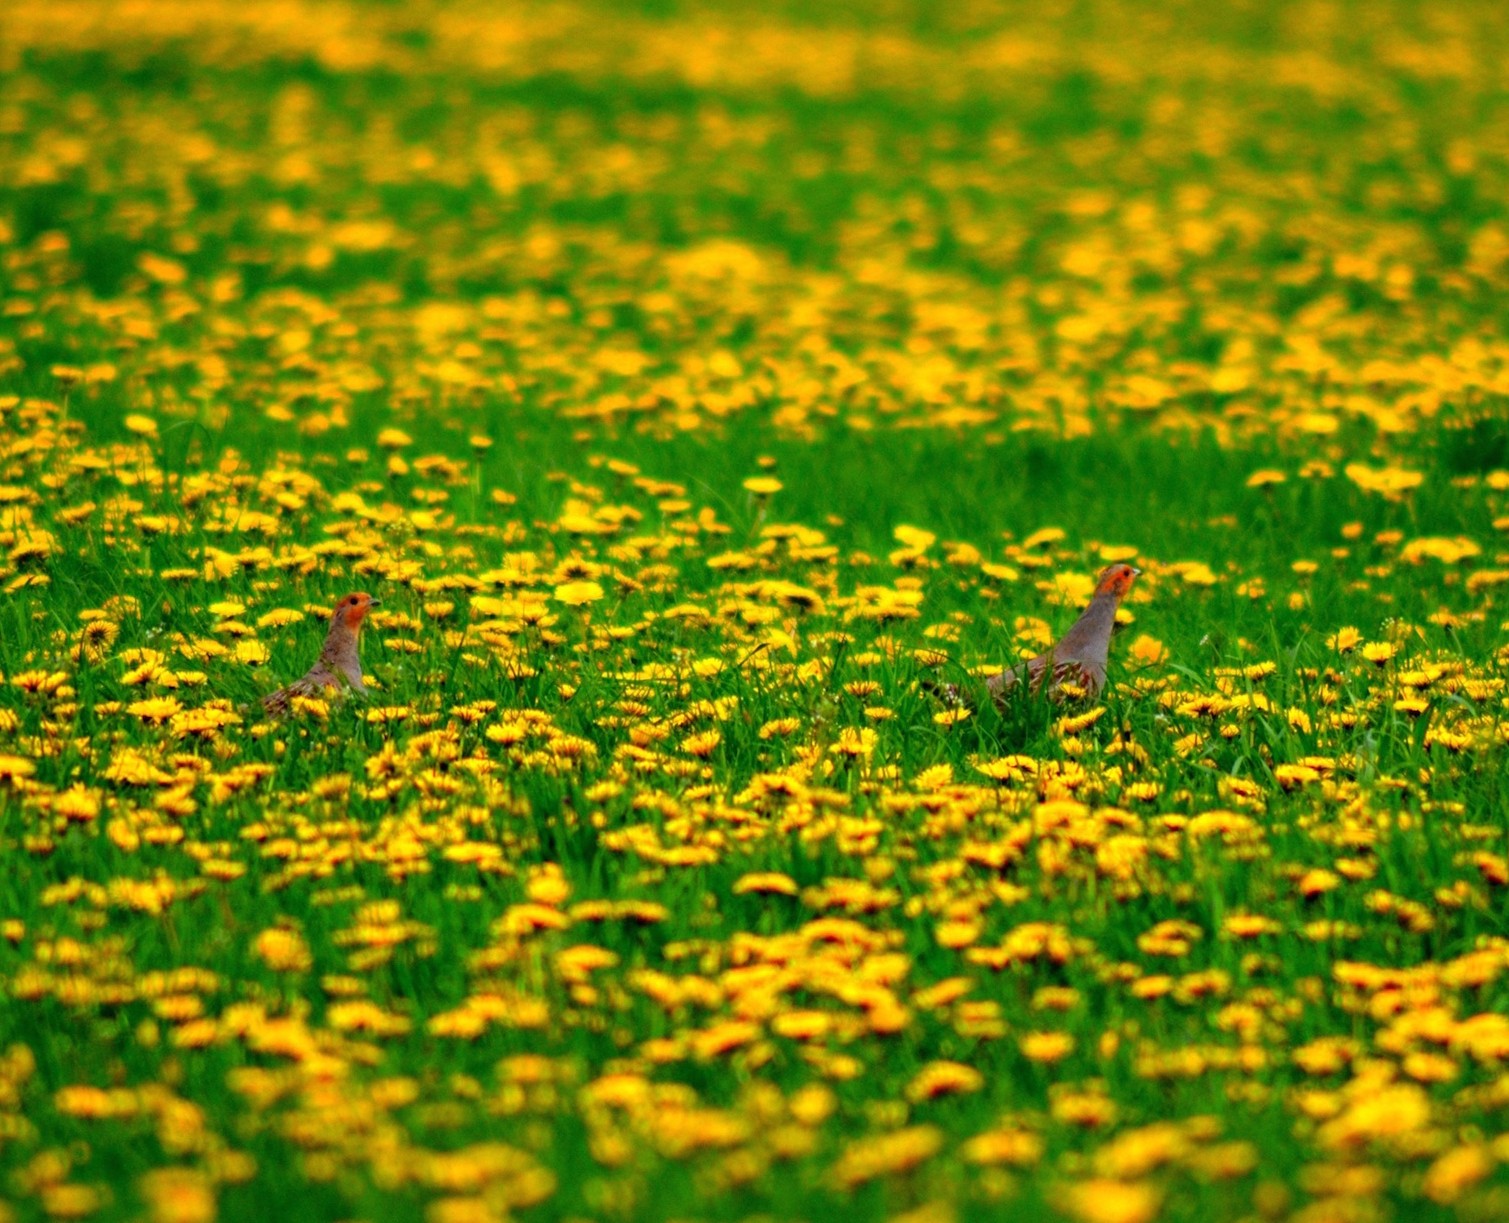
1136	572
374	602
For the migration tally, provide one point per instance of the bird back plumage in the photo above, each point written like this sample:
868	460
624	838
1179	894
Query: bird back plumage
1077	664
339	664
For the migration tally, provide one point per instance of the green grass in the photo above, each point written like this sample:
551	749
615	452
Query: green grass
1045	285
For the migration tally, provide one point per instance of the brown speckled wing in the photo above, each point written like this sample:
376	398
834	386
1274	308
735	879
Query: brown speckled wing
318	678
1074	675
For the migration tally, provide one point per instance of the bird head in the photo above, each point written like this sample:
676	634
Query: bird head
1116	580
351	610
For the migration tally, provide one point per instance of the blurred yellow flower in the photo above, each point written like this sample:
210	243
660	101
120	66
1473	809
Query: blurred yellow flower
576	594
944	1079
283	950
1109	1201
1388	481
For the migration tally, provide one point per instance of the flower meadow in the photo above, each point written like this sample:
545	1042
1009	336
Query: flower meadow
695	385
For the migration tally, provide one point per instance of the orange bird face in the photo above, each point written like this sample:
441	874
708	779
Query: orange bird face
353	608
1117	580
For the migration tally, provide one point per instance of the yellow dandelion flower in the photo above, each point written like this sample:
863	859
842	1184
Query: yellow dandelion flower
1148	651
1047	1047
179	1195
702	744
1456	1171
1021	1148
577	594
869	1159
944	1078
766	882
1389	482
155	710
855	743
802	1025
283	950
77	804
1110	1201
